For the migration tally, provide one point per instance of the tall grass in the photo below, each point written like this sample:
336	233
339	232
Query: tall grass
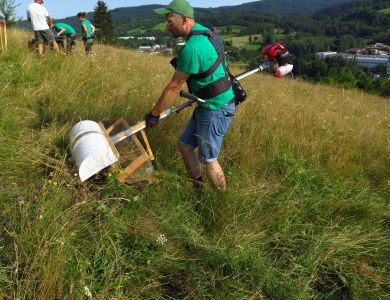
306	214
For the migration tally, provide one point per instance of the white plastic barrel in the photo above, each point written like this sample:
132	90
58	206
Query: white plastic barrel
90	149
283	70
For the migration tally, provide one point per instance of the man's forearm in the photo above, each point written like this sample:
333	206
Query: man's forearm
49	21
62	30
166	98
170	92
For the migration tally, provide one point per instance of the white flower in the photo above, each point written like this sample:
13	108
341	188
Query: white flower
161	239
87	292
60	241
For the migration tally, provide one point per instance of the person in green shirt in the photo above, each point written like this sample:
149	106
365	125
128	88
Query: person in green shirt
87	31
211	120
68	31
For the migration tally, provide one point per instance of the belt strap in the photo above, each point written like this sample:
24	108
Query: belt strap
215	88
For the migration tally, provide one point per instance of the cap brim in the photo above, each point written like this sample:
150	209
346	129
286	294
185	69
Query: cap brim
162	11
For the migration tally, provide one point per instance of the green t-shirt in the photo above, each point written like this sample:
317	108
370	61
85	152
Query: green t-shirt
68	29
89	28
197	56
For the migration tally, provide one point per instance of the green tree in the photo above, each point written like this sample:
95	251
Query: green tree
7	10
268	39
229	29
102	20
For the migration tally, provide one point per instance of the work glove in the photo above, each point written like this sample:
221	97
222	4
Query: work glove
151	120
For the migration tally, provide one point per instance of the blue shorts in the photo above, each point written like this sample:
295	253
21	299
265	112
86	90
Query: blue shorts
206	129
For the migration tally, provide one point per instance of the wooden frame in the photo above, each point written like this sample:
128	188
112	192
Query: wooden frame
3	36
146	154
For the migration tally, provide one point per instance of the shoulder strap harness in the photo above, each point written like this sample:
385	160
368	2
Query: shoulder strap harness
221	85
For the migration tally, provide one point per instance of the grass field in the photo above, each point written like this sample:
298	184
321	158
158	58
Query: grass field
160	26
234	29
306	214
385	11
243	41
137	30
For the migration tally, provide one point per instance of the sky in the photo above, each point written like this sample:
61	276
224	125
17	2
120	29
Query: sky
66	8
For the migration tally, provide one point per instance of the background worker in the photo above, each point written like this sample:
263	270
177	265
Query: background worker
210	121
41	23
87	30
68	31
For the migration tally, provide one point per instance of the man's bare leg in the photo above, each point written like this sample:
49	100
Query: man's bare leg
214	170
55	45
40	48
216	175
191	161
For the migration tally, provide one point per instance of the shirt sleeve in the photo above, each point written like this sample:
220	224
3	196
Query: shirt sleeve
45	11
188	60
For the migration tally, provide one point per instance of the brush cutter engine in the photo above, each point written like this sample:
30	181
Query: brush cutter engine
279	58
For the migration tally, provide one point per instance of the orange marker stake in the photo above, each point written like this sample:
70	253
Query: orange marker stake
5	35
1	38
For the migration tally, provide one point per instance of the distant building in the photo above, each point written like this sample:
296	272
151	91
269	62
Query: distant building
367	61
326	54
166	50
156	48
388	68
149	38
379	46
145	48
126	38
371	61
361	58
362	51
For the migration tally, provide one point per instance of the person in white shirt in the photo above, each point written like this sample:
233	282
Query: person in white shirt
41	23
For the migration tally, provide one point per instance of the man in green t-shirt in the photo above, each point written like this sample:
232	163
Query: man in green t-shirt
211	120
68	31
88	32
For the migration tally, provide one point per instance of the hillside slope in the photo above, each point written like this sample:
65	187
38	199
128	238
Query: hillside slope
306	214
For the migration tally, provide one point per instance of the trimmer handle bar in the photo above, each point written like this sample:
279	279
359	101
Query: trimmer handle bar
167	112
121	136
